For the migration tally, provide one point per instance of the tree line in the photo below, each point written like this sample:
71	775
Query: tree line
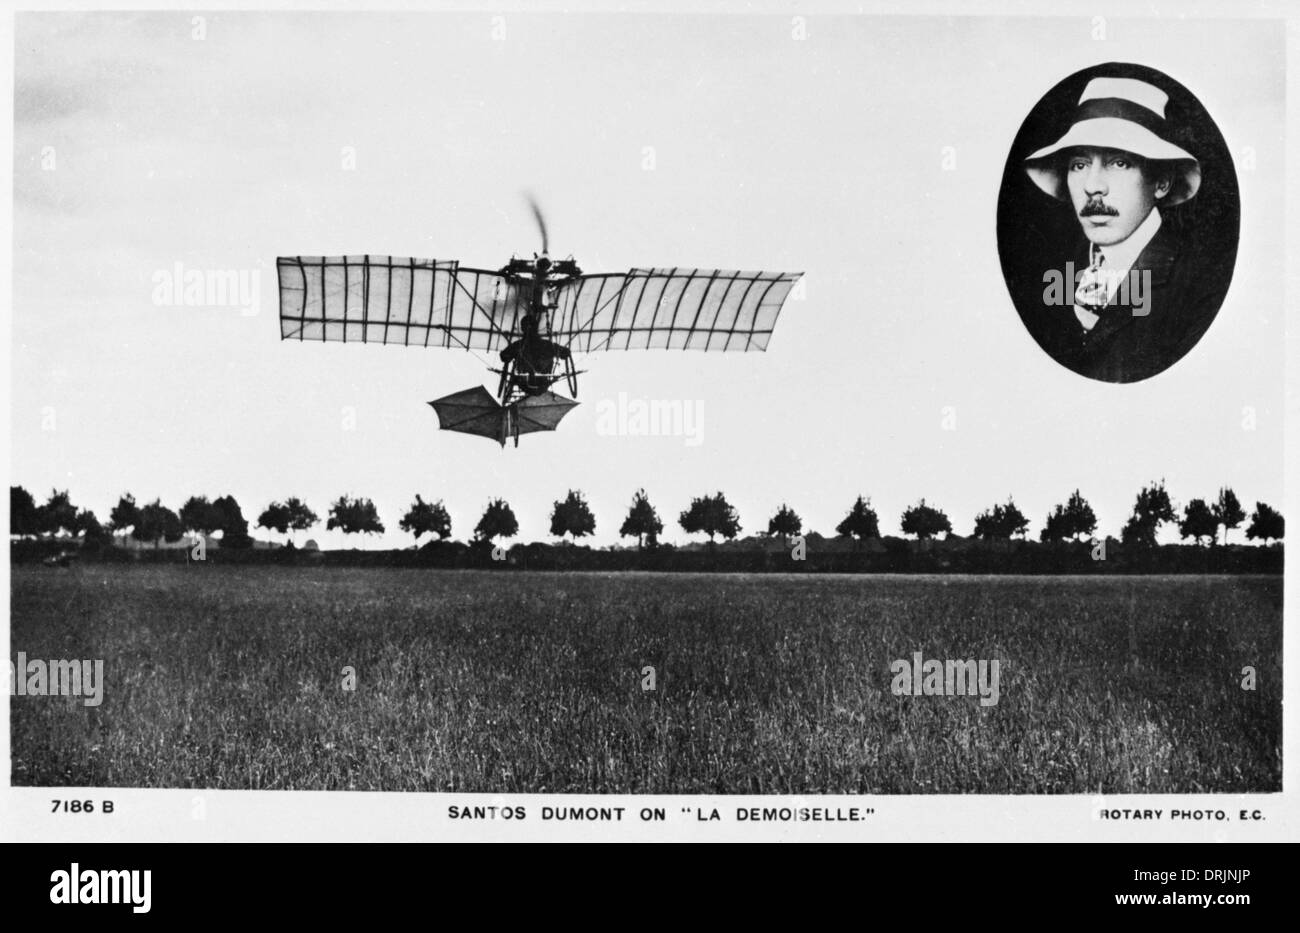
1073	520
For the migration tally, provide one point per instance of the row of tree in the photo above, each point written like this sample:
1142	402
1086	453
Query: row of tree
571	517
151	522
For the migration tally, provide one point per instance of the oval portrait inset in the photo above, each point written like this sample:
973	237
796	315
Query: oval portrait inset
1117	222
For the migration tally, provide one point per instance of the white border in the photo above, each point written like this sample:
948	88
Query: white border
170	815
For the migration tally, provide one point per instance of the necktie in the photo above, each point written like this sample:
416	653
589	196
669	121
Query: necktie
1092	291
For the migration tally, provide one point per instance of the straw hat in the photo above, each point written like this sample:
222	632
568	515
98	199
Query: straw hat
1125	114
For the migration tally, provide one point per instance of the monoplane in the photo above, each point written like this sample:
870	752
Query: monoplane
536	314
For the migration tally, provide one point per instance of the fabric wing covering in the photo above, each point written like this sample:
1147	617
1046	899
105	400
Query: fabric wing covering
431	303
672	309
541	412
475	411
386	299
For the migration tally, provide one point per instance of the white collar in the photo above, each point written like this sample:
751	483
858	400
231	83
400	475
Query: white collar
1119	260
1121	256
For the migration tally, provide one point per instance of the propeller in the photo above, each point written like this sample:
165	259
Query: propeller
541	222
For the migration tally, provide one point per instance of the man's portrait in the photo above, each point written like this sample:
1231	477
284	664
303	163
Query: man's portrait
1118	222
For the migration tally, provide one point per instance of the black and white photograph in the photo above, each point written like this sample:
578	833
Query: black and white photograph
1146	263
544	424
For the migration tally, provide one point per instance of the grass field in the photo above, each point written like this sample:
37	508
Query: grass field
232	677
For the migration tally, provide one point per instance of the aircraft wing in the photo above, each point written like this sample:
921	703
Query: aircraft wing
672	309
387	299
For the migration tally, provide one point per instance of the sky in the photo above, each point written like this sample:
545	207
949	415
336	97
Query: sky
145	143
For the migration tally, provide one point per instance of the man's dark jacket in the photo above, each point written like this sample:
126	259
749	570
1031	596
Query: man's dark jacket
1122	346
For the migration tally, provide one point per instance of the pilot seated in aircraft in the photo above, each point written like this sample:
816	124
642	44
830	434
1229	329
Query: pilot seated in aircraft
533	357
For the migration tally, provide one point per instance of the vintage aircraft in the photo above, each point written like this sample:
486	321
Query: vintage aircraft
534	313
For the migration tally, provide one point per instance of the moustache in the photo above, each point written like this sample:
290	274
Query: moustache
1093	208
